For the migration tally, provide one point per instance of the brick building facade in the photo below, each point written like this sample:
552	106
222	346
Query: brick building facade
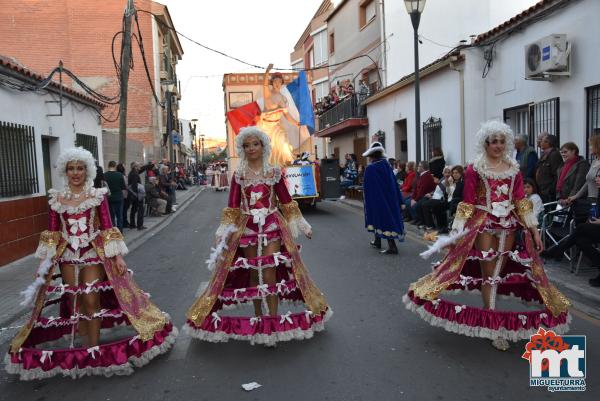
80	33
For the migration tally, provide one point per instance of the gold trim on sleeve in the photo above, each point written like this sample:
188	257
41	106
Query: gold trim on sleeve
50	238
290	210
230	215
465	211
112	234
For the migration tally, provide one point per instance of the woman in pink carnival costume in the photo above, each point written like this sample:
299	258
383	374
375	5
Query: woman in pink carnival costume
96	292
493	248
256	259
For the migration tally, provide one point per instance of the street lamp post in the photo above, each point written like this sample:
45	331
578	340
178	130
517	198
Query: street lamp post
202	147
414	9
195	135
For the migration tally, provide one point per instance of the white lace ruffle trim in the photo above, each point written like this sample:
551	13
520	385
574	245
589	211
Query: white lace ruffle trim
266	339
75	373
482	332
95	200
114	248
44	251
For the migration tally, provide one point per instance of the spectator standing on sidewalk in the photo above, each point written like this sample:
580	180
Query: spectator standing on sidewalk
547	167
126	204
136	197
382	200
571	175
116	186
588	192
526	156
531	192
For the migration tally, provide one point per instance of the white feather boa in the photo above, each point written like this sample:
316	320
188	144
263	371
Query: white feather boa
442	242
223	234
297	226
29	293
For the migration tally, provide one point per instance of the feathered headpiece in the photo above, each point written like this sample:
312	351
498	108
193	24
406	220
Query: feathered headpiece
375	147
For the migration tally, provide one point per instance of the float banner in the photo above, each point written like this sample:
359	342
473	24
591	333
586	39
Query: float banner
301	182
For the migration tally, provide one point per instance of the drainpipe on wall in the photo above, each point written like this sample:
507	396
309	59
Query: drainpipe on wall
383	44
461	78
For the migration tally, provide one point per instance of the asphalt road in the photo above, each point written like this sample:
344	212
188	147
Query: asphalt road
372	349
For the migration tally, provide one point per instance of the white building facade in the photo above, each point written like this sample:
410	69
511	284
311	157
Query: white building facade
443	25
460	91
55	122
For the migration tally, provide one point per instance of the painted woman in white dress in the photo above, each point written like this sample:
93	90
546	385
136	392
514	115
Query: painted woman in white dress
275	107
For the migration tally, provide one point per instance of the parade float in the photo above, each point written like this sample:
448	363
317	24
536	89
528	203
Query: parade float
280	105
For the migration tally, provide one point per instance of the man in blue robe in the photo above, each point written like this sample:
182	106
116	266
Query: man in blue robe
382	200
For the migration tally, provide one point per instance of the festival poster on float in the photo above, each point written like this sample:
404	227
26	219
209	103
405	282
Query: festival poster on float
300	181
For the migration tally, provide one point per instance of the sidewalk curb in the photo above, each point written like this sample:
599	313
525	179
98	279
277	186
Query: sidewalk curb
19	313
163	223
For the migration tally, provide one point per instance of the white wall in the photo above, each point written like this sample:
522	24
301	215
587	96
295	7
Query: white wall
439	98
443	21
505	86
30	109
350	40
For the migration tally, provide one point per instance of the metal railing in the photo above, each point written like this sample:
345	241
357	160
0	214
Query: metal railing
346	109
18	165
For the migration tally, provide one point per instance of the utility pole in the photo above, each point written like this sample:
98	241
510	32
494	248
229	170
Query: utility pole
125	60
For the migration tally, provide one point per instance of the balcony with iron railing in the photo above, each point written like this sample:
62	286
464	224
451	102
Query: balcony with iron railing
347	114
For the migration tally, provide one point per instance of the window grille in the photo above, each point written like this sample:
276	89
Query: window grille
545	117
593	115
88	142
18	161
432	135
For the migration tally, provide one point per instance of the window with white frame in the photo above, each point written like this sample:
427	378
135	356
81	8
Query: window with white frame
320	47
298	65
321	90
367	12
311	57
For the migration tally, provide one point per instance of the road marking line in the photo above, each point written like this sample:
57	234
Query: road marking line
180	349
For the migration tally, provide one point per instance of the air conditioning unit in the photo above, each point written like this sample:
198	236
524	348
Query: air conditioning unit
548	57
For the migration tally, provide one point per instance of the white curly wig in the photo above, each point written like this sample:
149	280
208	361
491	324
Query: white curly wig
262	137
80	155
494	128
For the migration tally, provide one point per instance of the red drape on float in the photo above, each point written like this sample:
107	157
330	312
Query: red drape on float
243	116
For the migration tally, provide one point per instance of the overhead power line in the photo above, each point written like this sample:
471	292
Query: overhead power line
222	53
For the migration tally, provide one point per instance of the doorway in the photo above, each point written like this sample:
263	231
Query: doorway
50	152
47	165
359	146
401	140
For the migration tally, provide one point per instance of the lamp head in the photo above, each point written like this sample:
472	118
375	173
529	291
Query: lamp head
414	6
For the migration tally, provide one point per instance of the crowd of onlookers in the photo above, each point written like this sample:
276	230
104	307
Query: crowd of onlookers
432	190
339	93
131	198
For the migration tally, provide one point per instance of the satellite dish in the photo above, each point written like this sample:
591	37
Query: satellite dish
534	56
